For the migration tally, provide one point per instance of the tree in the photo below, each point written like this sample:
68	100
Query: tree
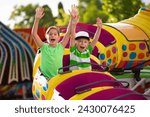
121	9
62	18
48	18
93	12
24	16
108	10
89	10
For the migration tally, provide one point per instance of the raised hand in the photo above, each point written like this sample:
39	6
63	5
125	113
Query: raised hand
99	22
74	14
74	11
39	13
75	20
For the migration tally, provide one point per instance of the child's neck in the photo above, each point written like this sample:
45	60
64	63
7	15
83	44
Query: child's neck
53	45
81	51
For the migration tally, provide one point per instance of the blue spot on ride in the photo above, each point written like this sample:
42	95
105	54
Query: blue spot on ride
109	61
124	47
132	55
102	56
143	8
38	93
45	87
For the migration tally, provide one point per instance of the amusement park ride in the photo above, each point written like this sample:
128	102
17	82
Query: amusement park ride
121	47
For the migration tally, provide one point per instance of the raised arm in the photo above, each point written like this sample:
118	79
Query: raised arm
75	19
38	15
67	34
98	32
73	14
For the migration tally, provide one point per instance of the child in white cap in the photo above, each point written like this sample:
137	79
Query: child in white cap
80	46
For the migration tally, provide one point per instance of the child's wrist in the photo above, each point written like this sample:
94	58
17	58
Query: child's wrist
73	23
99	27
37	18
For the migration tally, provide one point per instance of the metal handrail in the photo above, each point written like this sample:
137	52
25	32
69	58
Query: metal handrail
99	81
60	70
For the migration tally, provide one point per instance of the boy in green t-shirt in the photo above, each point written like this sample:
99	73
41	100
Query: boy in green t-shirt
51	52
80	46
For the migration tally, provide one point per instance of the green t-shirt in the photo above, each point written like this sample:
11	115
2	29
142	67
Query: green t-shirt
79	57
51	59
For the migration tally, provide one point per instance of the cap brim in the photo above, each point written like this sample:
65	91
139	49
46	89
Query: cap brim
82	37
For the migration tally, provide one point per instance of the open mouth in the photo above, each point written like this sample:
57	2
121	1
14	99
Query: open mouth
52	40
82	47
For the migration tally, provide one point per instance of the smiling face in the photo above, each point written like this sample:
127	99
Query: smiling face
52	36
82	44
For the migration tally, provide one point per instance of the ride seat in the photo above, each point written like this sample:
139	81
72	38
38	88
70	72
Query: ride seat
68	87
116	94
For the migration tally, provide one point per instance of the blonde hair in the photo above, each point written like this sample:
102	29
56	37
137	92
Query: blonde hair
52	27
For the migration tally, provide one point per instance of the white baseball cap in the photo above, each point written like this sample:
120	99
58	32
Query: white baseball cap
82	34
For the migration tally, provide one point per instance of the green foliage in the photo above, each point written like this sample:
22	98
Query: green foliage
122	9
108	10
48	18
92	13
24	16
89	10
62	18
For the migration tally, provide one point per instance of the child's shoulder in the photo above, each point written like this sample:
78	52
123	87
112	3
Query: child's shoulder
59	45
90	48
44	46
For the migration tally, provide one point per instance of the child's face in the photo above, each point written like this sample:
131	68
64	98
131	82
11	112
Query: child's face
53	37
82	44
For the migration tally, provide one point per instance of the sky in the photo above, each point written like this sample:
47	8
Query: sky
7	6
